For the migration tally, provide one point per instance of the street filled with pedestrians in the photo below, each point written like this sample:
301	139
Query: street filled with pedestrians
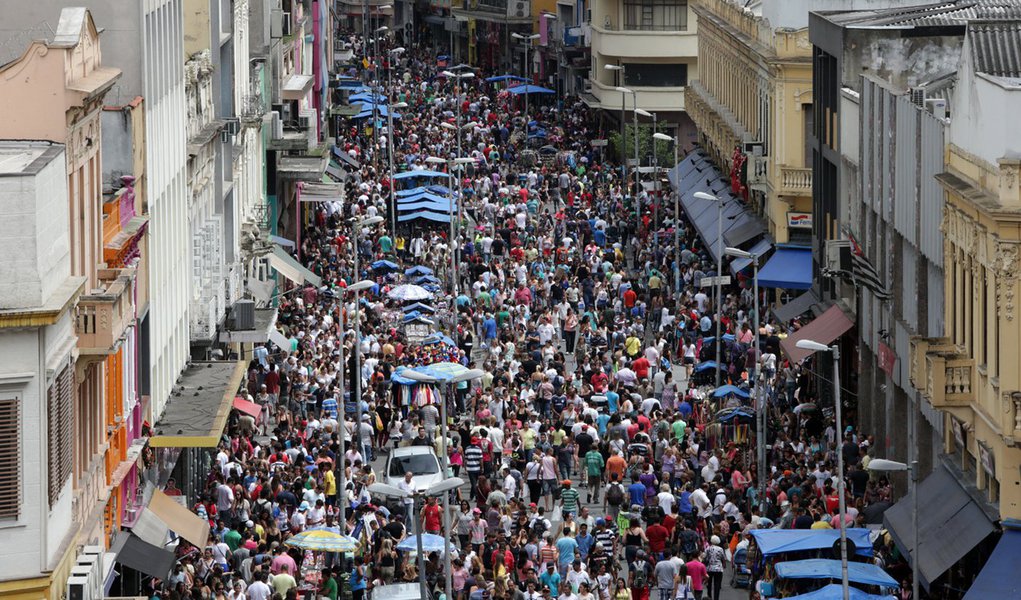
512	383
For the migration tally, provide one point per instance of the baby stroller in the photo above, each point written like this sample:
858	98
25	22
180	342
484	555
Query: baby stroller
741	576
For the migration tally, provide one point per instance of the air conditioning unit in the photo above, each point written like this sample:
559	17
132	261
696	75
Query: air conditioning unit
277	125
243	315
79	588
518	9
90	572
917	96
938	107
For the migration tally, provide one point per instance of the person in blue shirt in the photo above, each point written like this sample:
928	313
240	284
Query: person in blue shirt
567	546
585	541
601	422
551	579
637	493
684	408
612	398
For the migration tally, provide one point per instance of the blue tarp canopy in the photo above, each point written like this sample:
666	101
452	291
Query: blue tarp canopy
826	568
500	78
1000	577
418	270
730	390
419	306
427	215
835	591
432	205
705	366
415	174
384	265
438	338
366	97
790	268
425	279
422	196
778	541
441	190
529	89
380	111
729	414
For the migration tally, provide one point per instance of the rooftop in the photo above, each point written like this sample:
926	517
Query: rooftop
996	49
940	14
26	157
199	405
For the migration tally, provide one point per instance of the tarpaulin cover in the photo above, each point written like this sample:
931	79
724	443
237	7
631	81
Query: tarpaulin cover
529	89
422	173
1000	577
789	268
427	215
824	568
834	591
778	541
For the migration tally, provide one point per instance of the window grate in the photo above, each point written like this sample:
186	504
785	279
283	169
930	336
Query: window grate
60	418
10	459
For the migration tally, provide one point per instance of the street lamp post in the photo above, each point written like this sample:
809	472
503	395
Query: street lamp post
451	165
719	273
842	506
655	172
527	39
623	107
342	502
375	82
677	228
882	464
445	459
442	487
760	399
357	392
390	145
638	208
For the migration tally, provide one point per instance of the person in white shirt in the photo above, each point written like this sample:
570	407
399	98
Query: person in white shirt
510	484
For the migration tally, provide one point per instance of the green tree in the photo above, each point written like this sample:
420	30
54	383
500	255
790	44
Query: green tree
664	151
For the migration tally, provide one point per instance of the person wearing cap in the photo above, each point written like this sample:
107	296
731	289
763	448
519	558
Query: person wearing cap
568	498
715	560
551	580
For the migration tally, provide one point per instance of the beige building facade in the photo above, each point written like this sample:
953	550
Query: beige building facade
752	104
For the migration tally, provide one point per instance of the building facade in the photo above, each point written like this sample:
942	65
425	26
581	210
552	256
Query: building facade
39	346
752	104
656	44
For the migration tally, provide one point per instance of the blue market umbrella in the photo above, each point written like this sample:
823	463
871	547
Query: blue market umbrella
431	287
409	293
438	338
705	366
729	390
430	543
418	270
425	279
442	370
420	307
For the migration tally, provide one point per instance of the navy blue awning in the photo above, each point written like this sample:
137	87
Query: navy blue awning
1000	577
790	268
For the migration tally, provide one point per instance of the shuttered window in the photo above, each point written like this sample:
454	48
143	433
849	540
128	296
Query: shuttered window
10	459
59	427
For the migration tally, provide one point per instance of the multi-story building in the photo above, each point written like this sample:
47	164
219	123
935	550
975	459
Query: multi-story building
970	371
38	344
652	49
483	34
752	104
101	375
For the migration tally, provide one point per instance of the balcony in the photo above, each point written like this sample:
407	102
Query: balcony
795	181
654	99
944	375
102	316
644	43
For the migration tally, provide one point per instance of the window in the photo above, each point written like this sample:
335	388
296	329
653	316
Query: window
656	15
656	75
58	427
10	459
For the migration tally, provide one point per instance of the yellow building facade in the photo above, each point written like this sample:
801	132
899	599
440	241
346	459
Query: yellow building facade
754	95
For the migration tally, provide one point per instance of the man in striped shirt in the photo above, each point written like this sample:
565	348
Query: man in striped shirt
569	497
473	462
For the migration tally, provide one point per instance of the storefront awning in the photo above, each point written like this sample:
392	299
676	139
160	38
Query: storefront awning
285	264
165	515
199	406
265	321
796	307
1000	577
760	249
827	568
790	268
952	526
249	408
280	340
133	553
829	326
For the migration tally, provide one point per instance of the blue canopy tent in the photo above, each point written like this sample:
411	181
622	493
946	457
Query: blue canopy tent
418	270
730	390
425	279
835	591
442	190
416	174
441	207
427	215
778	541
380	112
826	568
729	414
427	195
419	306
366	97
529	89
502	78
705	366
432	287
789	268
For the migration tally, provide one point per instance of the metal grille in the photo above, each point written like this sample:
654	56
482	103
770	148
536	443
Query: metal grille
59	419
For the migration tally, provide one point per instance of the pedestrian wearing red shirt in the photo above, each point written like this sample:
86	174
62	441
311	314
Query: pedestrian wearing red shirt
640	366
657	535
431	517
630	297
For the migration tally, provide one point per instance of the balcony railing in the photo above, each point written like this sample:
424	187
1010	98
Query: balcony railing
103	316
795	181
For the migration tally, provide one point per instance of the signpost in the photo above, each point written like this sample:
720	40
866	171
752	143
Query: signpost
712	281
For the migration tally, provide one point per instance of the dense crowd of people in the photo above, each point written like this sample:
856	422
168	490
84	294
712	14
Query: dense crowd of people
595	468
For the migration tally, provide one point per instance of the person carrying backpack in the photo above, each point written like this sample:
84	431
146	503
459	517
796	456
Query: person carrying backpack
640	578
614	498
